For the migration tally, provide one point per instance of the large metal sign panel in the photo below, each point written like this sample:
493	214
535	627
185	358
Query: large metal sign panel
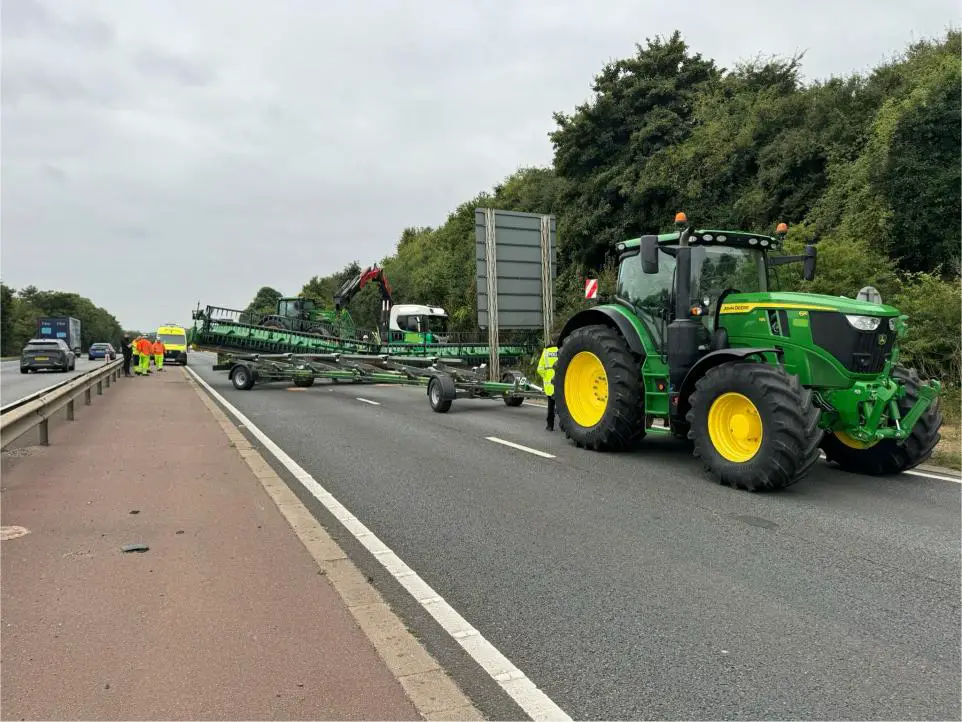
516	260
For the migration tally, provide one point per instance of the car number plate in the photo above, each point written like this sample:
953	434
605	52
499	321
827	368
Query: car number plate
41	358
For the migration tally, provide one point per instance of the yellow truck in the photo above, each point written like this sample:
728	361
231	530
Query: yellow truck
174	339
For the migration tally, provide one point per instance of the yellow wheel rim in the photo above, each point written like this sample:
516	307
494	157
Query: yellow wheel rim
734	427
853	443
586	389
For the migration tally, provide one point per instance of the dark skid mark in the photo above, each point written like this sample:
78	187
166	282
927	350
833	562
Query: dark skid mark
756	521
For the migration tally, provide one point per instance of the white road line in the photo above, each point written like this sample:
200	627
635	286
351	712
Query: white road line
940	477
923	474
511	679
513	445
368	401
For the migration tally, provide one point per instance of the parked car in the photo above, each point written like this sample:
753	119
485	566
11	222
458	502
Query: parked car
47	353
101	350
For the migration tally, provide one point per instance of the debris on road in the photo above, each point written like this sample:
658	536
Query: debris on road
134	548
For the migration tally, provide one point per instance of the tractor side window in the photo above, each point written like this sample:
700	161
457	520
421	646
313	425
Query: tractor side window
649	294
285	308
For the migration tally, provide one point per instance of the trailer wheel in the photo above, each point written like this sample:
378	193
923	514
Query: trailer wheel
242	378
304	382
510	377
441	392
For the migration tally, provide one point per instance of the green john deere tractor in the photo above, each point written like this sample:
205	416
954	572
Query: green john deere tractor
759	380
303	315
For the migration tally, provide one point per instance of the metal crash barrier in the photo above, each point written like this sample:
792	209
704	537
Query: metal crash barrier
35	410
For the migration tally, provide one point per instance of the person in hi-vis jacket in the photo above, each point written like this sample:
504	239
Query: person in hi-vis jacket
546	371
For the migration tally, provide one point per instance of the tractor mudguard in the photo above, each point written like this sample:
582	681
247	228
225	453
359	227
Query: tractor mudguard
606	317
710	360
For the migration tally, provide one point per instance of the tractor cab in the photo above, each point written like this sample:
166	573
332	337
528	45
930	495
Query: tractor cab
295	308
414	323
720	263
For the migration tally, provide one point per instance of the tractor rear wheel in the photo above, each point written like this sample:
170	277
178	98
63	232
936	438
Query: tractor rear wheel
323	329
754	426
600	398
888	456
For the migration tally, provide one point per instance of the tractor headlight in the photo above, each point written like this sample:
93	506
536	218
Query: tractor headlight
891	324
864	323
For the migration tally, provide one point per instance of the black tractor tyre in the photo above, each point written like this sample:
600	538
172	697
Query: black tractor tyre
889	456
441	393
322	329
622	424
304	382
274	322
242	378
510	377
790	434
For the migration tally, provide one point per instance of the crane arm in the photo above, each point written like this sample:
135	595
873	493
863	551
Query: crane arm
351	287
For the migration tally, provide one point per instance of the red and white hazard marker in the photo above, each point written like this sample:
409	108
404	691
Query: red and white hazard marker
591	288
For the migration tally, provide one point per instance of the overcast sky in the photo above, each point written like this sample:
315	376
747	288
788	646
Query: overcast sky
157	153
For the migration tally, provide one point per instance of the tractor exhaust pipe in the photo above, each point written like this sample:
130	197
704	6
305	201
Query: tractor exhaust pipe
682	332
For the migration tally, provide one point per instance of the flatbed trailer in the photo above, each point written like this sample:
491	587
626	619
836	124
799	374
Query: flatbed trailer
443	380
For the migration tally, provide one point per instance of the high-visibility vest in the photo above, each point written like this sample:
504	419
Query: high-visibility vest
549	357
144	347
158	348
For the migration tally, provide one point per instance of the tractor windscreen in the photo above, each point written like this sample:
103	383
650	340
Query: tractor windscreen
716	268
713	269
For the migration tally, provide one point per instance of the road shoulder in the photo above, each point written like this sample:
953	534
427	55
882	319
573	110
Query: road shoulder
432	691
225	615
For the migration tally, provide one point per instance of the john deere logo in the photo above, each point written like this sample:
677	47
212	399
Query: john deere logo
882	338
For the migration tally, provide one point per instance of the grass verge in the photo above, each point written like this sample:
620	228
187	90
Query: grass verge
949	451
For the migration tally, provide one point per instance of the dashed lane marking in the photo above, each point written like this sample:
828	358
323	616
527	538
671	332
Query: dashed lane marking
368	401
511	679
519	447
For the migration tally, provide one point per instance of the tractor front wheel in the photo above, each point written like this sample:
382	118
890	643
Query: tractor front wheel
754	426
888	456
598	384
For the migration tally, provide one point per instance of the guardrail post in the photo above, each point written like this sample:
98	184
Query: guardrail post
44	433
86	397
108	379
70	410
100	388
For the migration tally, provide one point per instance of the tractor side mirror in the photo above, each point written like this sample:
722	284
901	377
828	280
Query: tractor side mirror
649	254
808	267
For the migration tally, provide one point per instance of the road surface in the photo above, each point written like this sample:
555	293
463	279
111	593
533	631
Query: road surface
627	586
15	385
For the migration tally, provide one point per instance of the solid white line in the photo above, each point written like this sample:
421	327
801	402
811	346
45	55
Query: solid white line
923	474
368	401
513	445
928	475
511	679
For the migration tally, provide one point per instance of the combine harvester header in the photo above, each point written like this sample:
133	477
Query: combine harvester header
299	343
